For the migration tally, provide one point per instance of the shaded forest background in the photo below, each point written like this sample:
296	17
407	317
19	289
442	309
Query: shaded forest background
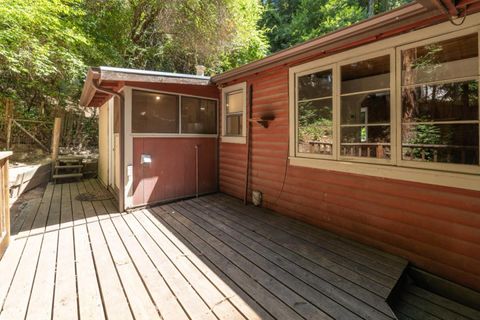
46	46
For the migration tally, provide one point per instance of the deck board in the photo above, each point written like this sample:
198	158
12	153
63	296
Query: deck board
339	291
205	258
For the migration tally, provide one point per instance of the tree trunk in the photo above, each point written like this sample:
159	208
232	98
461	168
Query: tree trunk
371	8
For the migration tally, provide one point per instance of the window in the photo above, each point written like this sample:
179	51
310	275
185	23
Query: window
233	113
234	109
199	116
315	113
159	113
154	112
411	106
365	108
440	102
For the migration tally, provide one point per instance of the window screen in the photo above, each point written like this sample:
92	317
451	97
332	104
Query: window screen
199	116
154	113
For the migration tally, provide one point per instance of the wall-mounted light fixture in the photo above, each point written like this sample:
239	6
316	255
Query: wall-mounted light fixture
264	119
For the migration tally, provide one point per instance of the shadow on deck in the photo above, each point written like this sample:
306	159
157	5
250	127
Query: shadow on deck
205	258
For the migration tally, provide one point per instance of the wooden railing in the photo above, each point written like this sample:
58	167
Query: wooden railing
4	206
379	150
320	147
434	148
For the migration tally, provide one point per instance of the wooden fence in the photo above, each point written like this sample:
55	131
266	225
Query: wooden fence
79	131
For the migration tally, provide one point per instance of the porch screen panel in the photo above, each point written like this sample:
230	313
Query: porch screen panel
199	116
154	112
365	109
440	107
315	113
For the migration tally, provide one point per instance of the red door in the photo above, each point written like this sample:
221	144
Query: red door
175	168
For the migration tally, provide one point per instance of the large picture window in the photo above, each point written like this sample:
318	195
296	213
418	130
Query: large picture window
199	116
365	108
440	102
154	112
315	113
415	105
158	113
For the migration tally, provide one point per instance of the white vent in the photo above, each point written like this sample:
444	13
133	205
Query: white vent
200	70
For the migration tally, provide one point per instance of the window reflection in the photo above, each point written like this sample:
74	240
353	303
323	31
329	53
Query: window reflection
439	106
365	109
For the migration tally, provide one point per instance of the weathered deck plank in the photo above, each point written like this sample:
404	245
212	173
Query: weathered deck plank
16	302
243	302
288	261
205	258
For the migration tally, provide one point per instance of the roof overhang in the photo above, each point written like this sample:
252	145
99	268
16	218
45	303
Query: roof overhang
412	16
114	79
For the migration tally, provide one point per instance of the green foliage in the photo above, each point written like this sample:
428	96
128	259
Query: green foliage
292	22
41	51
46	46
314	123
425	134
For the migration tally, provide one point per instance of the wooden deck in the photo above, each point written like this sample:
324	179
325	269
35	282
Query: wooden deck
205	258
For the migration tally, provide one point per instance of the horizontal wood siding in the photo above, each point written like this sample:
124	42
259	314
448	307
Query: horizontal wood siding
436	228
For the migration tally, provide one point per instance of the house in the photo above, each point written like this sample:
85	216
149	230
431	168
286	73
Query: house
371	132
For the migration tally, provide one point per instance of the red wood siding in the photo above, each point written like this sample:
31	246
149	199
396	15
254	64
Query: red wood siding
436	228
172	173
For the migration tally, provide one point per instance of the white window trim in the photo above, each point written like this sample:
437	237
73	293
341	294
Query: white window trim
450	175
235	139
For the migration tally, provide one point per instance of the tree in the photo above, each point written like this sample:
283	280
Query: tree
176	35
41	52
292	22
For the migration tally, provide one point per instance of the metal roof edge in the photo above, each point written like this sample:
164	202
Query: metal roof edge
153	73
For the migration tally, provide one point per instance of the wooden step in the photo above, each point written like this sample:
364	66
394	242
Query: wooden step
67	175
69	166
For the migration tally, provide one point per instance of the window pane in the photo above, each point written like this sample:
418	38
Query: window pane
453	58
366	108
154	112
234	102
234	125
449	143
315	85
315	128
366	75
446	102
365	141
199	116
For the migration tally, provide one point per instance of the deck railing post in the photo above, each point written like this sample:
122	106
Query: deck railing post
55	141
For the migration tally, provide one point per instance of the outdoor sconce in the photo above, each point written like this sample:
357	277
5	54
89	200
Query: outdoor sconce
145	159
264	120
